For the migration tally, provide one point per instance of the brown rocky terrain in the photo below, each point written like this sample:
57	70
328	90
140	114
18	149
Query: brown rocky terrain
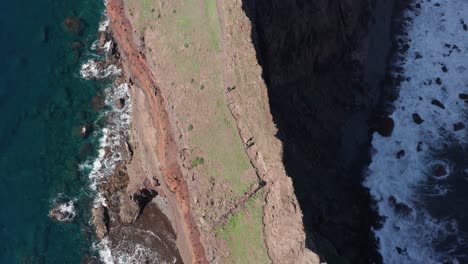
160	155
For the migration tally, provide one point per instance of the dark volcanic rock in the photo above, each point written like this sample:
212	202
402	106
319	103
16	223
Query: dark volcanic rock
439	170
400	154
437	103
458	126
417	118
400	208
385	126
419	146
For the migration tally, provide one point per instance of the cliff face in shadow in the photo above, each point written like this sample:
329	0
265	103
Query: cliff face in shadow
321	106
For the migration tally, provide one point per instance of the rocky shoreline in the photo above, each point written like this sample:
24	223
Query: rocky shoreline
131	191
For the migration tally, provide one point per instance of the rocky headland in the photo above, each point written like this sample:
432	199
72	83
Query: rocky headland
239	107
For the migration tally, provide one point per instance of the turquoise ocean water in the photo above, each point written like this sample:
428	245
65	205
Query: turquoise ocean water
43	103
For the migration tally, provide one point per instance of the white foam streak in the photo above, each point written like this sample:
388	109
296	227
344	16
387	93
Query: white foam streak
93	69
113	136
433	27
126	253
104	24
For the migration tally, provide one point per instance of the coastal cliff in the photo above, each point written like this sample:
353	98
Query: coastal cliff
221	174
239	106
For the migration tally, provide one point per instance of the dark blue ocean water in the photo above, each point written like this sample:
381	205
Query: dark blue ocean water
43	103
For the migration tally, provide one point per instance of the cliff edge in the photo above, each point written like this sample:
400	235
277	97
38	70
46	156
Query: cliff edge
202	132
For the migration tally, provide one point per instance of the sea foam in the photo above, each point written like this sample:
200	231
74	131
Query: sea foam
94	69
435	68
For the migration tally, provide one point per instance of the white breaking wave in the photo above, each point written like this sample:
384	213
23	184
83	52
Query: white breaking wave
104	24
113	136
94	69
127	252
436	66
63	211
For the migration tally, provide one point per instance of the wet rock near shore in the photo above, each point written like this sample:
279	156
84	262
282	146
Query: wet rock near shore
383	125
417	119
400	154
86	130
438	103
100	220
439	170
458	126
119	103
63	212
400	208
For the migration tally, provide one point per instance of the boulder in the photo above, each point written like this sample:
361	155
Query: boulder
437	103
100	219
119	103
385	126
102	39
400	154
417	119
129	209
63	212
85	130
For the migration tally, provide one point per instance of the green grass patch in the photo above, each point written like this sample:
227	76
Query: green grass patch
244	233
197	161
214	27
223	147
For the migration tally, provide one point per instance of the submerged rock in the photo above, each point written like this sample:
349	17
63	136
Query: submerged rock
400	208
400	154
419	147
439	170
74	24
98	102
458	126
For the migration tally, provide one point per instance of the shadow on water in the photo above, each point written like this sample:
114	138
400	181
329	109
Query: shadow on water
321	107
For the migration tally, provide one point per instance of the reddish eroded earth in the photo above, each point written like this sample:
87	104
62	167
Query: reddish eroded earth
136	66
